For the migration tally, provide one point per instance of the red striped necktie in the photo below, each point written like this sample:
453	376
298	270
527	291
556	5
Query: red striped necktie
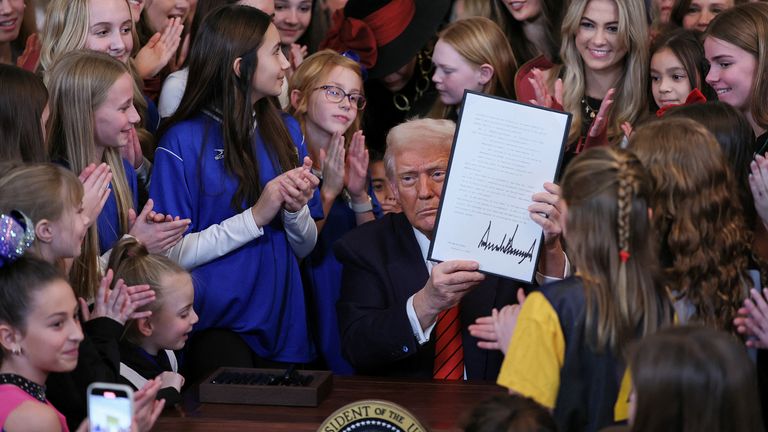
449	355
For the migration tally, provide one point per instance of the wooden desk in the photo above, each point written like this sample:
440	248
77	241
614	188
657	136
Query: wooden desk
438	405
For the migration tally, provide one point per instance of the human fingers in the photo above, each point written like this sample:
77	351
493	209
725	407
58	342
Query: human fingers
116	295
754	328
545	197
170	241
100	302
626	127
543	221
140	294
153	41
461	280
754	321
483	331
559	91
94	175
85	313
452	266
521	296
539	89
145	210
86	172
552	188
157	408
759	301
545	210
307	163
170	29
293	183
172	227
762	169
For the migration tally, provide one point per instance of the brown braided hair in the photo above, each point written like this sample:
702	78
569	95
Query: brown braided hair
607	193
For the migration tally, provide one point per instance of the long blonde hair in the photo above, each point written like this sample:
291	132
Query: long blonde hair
311	74
608	194
79	82
479	41
66	30
630	97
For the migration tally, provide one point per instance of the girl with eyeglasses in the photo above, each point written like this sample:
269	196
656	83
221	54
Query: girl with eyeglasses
230	159
326	95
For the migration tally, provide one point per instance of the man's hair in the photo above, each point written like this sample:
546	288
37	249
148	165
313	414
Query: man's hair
417	133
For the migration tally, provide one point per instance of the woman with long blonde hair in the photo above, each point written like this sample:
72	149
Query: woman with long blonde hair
603	77
471	54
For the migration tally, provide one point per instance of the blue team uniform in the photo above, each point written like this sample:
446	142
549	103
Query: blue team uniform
108	223
256	290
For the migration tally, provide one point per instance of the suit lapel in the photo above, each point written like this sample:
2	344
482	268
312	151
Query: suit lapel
407	272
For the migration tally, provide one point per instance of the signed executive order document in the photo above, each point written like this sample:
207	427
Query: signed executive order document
502	154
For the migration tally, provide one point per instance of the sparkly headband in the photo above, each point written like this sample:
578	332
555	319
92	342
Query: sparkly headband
16	236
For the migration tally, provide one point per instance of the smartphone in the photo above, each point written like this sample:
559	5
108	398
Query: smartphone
110	407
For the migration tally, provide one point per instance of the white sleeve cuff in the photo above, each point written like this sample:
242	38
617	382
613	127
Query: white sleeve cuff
301	231
422	336
543	279
198	248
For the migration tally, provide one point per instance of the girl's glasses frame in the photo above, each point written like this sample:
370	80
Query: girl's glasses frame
337	94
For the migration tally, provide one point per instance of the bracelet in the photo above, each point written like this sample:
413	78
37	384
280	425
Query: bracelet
361	208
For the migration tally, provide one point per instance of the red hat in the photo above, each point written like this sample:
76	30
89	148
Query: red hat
386	34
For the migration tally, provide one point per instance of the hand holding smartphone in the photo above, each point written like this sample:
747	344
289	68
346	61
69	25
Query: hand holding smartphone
110	407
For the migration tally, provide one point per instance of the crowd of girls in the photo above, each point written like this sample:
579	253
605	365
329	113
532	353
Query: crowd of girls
150	252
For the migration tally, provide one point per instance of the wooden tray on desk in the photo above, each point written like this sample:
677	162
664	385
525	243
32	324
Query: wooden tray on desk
258	394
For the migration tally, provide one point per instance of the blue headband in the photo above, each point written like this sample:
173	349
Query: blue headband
17	232
352	55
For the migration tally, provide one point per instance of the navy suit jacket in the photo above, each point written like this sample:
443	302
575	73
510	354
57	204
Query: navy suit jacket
383	267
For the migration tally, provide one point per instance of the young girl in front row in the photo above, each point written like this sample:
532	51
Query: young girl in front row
567	350
326	95
678	69
39	330
56	203
146	350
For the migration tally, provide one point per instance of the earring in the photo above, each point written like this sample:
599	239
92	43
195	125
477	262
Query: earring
17	350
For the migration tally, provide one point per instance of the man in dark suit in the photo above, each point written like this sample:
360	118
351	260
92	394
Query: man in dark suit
390	300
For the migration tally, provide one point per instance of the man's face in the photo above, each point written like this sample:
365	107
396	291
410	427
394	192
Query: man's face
418	183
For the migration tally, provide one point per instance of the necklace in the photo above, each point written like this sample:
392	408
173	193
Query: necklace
588	110
401	101
33	389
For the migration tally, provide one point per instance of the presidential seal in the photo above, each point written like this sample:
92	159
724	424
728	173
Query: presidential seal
371	416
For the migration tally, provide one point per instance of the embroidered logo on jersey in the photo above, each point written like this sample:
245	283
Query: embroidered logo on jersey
219	154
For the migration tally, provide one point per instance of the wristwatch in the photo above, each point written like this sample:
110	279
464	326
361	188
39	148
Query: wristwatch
360	207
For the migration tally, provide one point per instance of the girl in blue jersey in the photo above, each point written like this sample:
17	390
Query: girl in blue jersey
230	157
326	94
